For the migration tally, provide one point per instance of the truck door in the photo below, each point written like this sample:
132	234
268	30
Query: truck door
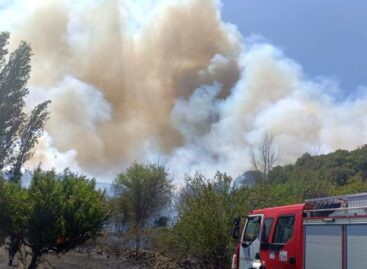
282	249
265	239
250	244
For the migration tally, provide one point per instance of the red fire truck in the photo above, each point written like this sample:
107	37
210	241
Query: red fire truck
323	233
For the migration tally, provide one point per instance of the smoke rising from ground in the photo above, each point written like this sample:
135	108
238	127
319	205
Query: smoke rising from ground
179	86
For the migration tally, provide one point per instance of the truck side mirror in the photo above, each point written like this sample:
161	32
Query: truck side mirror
257	219
236	228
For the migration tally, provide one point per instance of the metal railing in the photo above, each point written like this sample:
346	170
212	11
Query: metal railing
345	205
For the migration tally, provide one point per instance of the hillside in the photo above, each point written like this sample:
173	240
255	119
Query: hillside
339	172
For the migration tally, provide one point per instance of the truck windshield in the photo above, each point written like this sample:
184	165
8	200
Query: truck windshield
252	229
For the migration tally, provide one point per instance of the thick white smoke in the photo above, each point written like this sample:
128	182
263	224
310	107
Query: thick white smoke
169	81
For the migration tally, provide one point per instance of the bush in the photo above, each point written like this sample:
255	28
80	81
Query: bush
55	214
205	216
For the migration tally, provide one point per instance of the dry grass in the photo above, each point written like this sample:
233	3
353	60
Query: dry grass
76	260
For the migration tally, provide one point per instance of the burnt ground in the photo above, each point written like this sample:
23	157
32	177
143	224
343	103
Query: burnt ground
76	260
108	251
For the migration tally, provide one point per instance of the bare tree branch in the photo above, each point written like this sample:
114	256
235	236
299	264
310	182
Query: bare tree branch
264	157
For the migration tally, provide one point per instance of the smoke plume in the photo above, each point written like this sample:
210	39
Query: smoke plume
177	85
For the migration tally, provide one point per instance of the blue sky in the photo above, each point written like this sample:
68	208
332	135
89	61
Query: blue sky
327	37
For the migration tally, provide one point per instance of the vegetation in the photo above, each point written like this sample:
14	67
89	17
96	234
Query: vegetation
207	206
142	192
263	158
332	173
205	214
55	214
19	131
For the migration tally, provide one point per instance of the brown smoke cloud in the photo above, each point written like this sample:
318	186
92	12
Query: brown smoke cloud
139	77
183	88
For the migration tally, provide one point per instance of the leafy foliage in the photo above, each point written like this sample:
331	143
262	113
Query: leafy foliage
315	176
55	213
18	130
143	191
14	209
205	215
30	130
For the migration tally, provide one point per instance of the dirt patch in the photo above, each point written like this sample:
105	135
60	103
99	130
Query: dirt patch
76	260
85	261
108	251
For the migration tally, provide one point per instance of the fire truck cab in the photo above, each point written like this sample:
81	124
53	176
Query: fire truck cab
321	233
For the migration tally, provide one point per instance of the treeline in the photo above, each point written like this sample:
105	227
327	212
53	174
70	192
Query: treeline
192	223
336	173
205	207
58	212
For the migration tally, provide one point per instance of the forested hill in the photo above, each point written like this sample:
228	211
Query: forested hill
339	172
340	168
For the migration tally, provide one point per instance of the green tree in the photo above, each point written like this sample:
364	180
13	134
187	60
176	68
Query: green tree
14	208
120	213
29	133
143	191
55	214
18	131
44	225
206	209
14	73
85	210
